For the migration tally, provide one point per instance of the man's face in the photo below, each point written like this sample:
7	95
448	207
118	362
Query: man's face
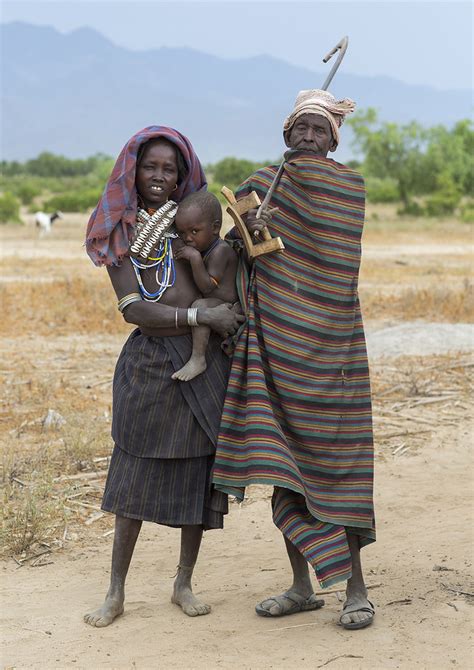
157	174
311	132
195	229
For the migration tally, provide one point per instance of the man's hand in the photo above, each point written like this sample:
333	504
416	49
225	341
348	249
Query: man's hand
186	253
222	319
254	225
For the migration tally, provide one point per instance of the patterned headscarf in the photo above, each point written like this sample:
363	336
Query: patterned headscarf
317	101
111	224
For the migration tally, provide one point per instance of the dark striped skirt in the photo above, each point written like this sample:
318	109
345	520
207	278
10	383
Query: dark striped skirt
164	433
171	491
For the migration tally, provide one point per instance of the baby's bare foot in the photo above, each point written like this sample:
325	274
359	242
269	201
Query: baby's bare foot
194	367
110	610
188	602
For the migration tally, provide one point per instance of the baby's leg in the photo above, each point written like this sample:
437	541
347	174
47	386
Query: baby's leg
197	363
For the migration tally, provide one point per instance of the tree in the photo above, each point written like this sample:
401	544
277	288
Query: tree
9	208
233	171
391	151
450	157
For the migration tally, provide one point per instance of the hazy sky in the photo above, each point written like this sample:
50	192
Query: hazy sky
416	41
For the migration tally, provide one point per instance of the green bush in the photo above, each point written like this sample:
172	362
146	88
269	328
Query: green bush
9	208
231	171
381	190
466	213
215	188
412	208
27	192
441	204
445	200
77	201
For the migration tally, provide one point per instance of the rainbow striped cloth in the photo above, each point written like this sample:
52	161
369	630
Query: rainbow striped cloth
297	413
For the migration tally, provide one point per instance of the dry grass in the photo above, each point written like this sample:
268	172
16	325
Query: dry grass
438	304
86	306
40	481
64	306
62	334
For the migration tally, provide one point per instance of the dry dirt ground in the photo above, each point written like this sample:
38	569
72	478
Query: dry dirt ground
58	351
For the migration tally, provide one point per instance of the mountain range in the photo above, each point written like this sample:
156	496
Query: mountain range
78	94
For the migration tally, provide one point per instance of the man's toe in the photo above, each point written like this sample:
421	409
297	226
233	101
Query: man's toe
357	614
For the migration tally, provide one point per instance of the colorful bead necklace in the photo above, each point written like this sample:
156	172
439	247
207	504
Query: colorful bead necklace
153	238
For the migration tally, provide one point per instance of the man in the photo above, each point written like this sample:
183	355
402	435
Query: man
297	414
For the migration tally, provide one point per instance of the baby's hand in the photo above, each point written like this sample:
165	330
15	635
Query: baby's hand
186	253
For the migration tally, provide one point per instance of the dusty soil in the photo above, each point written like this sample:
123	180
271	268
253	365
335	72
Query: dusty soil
419	571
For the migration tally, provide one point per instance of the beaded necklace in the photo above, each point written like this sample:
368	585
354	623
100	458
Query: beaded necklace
153	236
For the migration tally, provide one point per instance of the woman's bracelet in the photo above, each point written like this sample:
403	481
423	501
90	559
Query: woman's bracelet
127	300
192	316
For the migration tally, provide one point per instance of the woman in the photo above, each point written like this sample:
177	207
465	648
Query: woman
164	431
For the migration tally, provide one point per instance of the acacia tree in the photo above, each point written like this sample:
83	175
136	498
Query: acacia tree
450	157
391	150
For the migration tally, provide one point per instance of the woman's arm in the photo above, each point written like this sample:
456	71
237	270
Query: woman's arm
152	315
141	313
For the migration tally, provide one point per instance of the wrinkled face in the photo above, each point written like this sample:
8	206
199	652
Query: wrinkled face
157	174
195	229
311	132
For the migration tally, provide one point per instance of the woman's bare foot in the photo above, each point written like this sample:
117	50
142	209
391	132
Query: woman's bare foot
110	610
194	367
185	598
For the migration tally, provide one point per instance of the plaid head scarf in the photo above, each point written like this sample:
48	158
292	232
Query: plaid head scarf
112	222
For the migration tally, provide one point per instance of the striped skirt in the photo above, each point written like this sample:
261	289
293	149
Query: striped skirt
164	433
170	491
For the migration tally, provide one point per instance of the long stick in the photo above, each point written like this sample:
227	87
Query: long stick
341	46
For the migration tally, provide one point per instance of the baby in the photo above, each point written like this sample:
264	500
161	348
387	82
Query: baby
213	265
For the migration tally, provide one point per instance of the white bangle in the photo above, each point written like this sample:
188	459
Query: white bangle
176	318
192	316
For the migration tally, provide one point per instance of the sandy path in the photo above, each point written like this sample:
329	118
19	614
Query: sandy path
419	500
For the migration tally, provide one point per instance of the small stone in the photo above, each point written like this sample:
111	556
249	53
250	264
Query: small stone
53	420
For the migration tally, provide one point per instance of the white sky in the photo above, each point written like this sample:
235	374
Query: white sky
416	41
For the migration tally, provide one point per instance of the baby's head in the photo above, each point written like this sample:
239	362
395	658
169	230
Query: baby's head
199	220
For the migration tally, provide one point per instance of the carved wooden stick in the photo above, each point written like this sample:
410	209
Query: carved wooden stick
238	207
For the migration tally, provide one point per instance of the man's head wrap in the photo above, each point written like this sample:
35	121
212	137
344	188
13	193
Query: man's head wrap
111	223
317	101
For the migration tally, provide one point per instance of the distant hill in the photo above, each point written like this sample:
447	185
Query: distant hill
79	94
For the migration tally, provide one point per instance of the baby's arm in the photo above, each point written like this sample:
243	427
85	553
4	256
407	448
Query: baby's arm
221	262
207	279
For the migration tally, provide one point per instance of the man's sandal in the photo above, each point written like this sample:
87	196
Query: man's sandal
354	625
289	603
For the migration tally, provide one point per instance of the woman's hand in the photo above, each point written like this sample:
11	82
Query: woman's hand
222	319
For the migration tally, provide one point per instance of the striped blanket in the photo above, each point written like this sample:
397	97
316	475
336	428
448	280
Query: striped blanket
297	413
